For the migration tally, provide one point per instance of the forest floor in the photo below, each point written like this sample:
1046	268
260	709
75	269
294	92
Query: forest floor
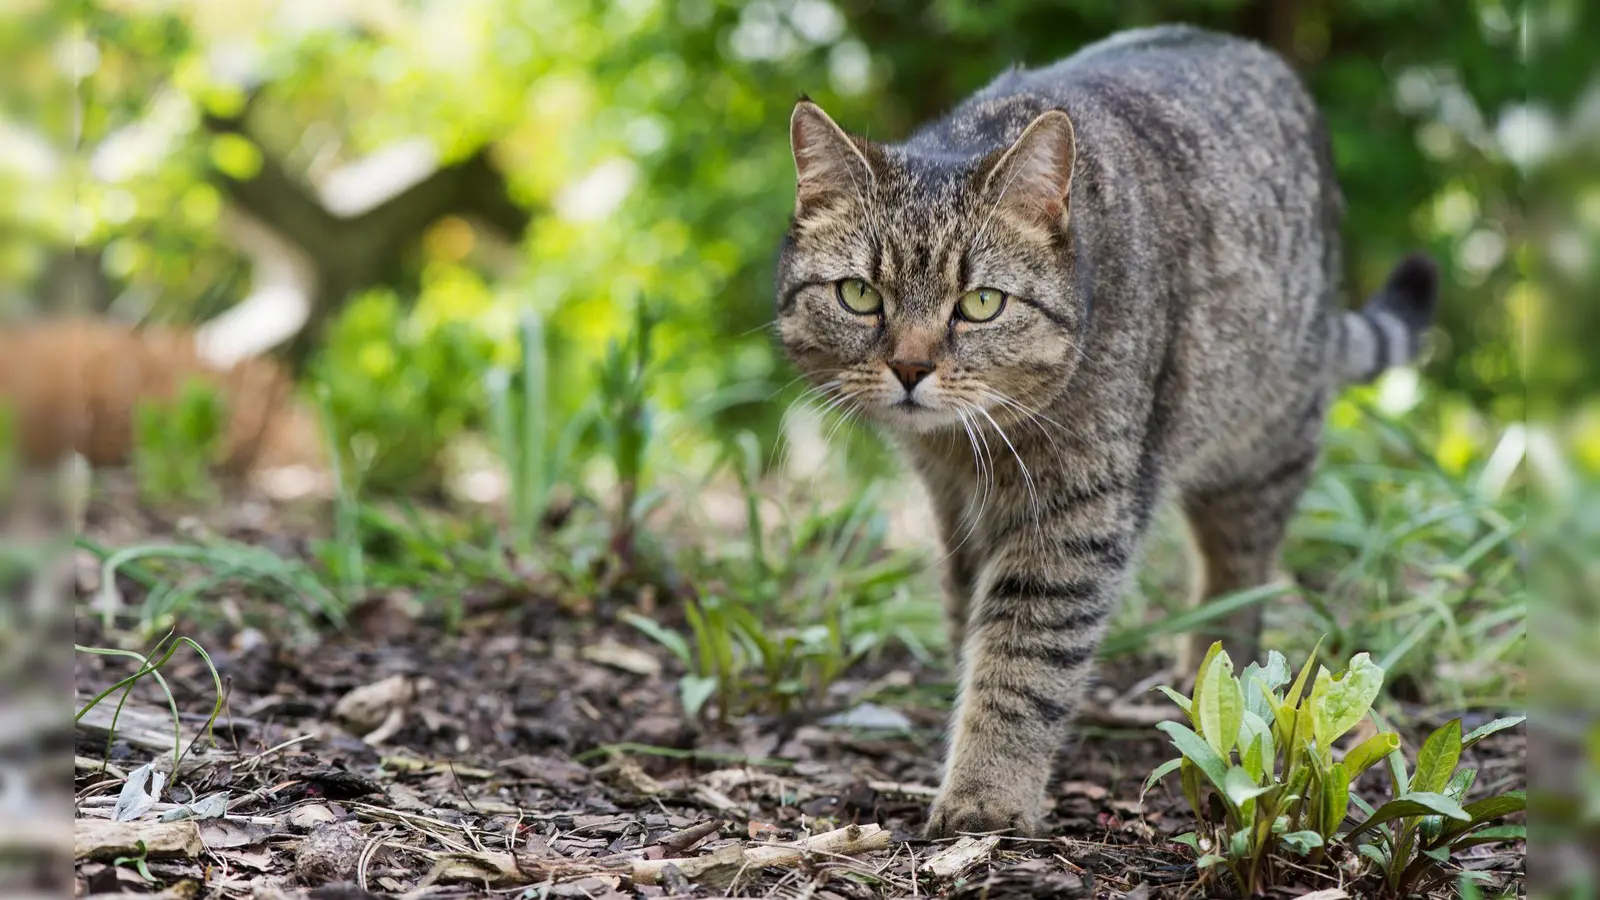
534	752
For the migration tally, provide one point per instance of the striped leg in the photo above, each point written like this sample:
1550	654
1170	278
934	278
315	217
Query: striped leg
1042	604
1240	533
961	546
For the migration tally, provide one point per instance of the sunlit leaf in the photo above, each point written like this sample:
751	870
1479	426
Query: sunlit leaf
1219	704
1339	701
1369	752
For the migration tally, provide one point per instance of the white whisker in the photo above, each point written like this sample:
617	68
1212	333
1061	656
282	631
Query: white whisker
1027	476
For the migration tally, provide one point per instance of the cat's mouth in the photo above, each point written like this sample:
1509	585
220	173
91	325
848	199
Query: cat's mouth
916	415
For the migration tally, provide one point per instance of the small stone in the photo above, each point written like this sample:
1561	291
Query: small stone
329	852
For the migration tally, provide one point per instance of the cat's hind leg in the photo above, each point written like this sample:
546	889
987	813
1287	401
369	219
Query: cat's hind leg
1239	530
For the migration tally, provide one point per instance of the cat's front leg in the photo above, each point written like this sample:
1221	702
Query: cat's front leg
1042	604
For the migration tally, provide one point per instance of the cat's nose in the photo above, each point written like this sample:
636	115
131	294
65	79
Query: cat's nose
910	373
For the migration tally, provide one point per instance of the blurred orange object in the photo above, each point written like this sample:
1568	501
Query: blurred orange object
74	384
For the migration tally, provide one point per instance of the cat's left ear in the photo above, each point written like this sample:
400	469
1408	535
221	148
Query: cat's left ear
1033	178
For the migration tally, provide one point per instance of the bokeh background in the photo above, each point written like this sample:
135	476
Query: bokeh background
383	194
384	185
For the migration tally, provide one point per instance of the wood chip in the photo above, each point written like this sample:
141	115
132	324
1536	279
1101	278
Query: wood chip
374	706
956	859
686	839
1086	789
620	656
904	790
310	815
106	840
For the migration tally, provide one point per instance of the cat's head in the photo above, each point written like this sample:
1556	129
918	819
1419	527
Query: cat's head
929	289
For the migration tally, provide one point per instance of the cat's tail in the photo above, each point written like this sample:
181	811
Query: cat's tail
1388	330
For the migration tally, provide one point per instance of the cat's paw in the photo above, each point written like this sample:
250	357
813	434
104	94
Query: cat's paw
968	812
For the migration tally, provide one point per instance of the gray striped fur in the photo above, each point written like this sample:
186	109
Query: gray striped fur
1161	210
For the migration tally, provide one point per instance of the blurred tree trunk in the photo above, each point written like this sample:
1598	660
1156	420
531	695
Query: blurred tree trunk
349	253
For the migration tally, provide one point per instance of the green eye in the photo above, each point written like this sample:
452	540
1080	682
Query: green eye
981	305
858	296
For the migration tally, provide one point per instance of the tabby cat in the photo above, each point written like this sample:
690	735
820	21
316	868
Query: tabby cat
1090	288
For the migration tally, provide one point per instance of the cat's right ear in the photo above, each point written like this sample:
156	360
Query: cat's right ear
829	165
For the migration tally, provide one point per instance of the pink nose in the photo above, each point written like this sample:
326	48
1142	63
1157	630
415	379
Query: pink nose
910	373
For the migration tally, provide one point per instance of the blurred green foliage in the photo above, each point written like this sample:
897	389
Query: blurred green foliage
643	147
401	389
176	444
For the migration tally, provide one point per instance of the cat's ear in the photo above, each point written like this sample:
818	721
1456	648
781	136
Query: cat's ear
829	165
1033	178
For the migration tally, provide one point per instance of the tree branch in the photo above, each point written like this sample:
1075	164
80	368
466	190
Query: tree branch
350	253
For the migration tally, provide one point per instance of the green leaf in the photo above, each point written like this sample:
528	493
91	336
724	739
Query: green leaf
1335	799
1292	699
1276	674
1483	731
1255	740
1484	811
1301	842
1162	771
1460	784
1239	844
1189	776
1374	853
1367	754
662	635
1492	836
1400	781
1239	786
1259	684
1197	751
1209	860
1491	808
1200	677
1339	701
1255	699
695	690
1413	804
1181	700
1220	705
1189	839
1250	758
1361	804
1436	761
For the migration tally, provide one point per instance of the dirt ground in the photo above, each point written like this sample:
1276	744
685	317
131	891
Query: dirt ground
539	754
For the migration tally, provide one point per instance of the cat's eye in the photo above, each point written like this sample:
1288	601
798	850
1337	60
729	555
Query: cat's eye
981	305
858	297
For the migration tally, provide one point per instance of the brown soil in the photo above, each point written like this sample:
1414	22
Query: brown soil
534	749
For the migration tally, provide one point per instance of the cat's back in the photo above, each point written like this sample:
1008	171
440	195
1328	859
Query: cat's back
1165	85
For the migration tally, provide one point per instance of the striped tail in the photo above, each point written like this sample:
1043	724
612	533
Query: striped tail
1388	330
